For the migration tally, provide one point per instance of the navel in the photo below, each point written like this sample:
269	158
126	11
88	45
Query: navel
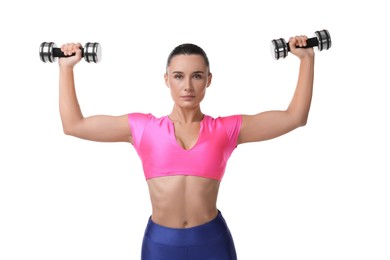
185	224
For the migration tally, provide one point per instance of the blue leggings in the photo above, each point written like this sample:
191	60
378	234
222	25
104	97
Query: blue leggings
210	241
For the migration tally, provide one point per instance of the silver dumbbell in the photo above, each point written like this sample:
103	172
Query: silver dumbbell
322	40
48	52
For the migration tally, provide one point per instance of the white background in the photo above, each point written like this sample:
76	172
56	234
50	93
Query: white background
319	192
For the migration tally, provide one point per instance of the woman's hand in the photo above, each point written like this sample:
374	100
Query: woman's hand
69	49
300	41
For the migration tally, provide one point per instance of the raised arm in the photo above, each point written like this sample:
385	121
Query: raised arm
95	128
271	124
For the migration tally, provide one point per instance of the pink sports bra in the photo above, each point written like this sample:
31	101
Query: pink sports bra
155	142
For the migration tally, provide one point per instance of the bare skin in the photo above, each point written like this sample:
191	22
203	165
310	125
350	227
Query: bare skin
186	201
183	201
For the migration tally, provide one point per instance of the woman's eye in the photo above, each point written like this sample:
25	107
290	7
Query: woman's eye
197	76
178	76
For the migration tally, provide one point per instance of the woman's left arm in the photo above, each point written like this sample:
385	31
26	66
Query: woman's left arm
271	124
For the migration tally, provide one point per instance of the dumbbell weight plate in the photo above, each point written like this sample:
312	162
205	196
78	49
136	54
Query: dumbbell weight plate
92	52
46	52
279	48
324	40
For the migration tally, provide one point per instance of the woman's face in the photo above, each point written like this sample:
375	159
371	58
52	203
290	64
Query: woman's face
187	77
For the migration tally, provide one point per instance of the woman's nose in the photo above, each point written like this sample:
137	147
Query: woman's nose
188	85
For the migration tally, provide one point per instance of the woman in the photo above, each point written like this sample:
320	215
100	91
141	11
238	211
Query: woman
184	154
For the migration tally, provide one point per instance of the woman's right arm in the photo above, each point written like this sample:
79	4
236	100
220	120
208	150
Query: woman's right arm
95	128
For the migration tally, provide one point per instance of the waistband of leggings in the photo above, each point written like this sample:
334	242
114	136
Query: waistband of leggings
197	235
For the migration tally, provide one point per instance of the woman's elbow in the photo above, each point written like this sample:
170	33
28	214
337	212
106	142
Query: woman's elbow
302	121
299	120
69	130
73	128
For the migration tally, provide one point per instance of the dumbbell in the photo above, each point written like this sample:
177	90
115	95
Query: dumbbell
280	49
48	52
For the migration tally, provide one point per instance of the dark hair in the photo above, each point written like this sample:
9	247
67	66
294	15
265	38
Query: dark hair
188	49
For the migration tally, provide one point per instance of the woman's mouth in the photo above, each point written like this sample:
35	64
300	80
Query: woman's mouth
187	97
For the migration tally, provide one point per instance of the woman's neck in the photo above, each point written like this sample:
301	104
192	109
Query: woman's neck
186	115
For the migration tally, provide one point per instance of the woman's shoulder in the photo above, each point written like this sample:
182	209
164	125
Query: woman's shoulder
147	117
236	117
228	122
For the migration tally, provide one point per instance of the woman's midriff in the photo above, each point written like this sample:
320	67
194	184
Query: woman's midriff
180	201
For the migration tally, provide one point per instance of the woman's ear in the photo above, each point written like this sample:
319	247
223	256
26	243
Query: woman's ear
166	79
210	77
